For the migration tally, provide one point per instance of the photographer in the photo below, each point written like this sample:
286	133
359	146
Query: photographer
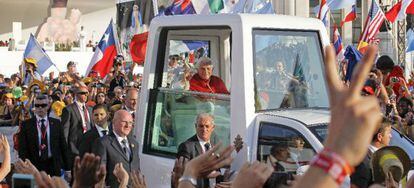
30	73
118	75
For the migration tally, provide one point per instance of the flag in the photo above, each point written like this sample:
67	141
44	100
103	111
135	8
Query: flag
410	40
373	22
208	6
351	16
323	12
180	7
266	9
340	4
138	47
392	14
298	69
353	56
35	51
105	53
407	7
337	41
336	5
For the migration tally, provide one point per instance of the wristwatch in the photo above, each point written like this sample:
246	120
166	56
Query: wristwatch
190	179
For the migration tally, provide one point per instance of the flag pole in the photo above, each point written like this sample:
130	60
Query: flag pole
116	38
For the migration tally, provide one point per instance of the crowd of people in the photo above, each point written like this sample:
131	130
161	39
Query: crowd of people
79	131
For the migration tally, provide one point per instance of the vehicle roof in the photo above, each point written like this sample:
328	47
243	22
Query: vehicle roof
308	116
246	20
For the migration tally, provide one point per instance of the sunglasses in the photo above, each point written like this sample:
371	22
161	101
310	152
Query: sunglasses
40	105
83	93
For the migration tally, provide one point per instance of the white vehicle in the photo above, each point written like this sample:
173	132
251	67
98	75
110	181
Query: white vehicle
271	64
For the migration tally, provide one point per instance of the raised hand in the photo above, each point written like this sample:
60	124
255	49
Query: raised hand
45	181
121	174
252	175
88	172
204	164
138	180
25	167
354	118
178	171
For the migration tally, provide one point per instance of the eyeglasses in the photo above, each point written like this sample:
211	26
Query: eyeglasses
129	123
101	95
83	93
40	105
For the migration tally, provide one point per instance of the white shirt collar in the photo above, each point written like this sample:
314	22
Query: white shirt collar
80	104
202	143
372	148
129	110
100	129
38	118
119	138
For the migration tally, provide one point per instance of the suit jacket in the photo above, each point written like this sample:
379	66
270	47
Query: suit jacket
111	153
73	129
29	144
190	149
87	141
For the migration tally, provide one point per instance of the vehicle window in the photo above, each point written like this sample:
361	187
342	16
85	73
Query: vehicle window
181	63
288	70
173	107
397	139
283	148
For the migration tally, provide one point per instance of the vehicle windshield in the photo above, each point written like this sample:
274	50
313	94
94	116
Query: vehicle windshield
288	70
397	139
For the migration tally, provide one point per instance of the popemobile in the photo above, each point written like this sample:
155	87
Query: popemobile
272	65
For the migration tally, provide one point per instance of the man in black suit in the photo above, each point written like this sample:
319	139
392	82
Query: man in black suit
118	147
201	142
101	128
76	121
41	140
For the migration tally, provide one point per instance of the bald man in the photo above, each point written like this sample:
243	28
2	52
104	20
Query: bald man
118	147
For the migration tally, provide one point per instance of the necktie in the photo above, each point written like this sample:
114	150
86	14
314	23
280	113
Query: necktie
86	117
133	116
104	132
207	146
125	148
43	141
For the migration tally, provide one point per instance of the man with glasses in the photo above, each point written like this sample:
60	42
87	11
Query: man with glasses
118	147
76	120
41	140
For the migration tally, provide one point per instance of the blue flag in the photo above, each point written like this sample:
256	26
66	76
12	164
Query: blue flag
35	51
353	56
410	40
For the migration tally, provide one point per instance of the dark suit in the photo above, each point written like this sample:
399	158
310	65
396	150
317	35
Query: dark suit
87	141
190	149
111	153
29	146
73	129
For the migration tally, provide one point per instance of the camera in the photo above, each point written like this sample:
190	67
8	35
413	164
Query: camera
23	181
395	80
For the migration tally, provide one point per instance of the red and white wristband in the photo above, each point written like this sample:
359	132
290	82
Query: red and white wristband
333	164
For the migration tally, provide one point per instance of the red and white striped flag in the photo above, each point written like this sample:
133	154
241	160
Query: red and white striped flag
372	25
323	13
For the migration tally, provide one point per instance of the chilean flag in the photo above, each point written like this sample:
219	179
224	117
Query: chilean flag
105	53
351	16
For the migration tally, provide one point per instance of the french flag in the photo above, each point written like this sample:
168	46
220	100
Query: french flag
105	53
323	13
351	16
337	41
